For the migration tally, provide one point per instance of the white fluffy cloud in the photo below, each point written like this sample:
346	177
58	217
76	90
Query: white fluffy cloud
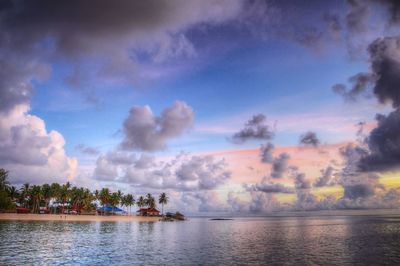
183	173
29	152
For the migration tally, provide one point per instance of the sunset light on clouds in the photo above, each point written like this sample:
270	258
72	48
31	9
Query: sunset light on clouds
227	106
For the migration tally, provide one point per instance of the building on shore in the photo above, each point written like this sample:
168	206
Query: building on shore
148	212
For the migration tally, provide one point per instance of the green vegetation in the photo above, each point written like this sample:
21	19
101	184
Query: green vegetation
163	199
66	198
6	192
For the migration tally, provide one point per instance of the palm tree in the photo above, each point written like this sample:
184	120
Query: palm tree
24	194
163	199
13	192
141	202
64	195
36	196
104	197
55	192
46	191
130	200
150	201
3	179
114	200
88	198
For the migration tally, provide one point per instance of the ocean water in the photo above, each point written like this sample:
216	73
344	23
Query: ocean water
299	240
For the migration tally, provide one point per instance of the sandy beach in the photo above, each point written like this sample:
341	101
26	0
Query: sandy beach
75	218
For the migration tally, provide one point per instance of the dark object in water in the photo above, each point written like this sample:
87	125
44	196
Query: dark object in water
221	219
177	216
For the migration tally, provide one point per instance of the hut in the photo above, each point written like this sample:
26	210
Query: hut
148	212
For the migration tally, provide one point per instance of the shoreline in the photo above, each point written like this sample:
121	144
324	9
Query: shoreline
75	218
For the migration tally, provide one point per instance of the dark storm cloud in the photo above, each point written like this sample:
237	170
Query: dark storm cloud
393	7
255	128
145	131
384	144
77	25
384	78
385	65
309	139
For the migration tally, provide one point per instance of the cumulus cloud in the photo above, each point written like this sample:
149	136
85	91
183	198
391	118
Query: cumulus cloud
145	131
309	139
30	152
183	173
255	129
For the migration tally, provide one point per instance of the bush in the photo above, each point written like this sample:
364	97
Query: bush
5	201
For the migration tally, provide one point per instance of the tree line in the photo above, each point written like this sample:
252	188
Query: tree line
66	196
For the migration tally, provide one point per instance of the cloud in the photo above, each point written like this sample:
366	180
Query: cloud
256	128
309	139
384	54
266	153
270	188
384	144
279	164
182	173
301	182
145	131
326	178
383	151
264	203
29	152
87	149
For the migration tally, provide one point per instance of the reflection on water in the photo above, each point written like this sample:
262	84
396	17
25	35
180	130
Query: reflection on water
333	240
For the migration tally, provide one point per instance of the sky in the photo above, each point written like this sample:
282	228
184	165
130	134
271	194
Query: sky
244	107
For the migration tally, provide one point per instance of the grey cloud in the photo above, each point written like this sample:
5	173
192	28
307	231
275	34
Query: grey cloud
301	182
205	170
326	178
256	128
309	139
266	153
264	203
271	188
108	35
357	15
87	149
280	165
384	144
145	131
384	78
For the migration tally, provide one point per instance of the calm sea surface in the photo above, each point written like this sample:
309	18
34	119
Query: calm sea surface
311	240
